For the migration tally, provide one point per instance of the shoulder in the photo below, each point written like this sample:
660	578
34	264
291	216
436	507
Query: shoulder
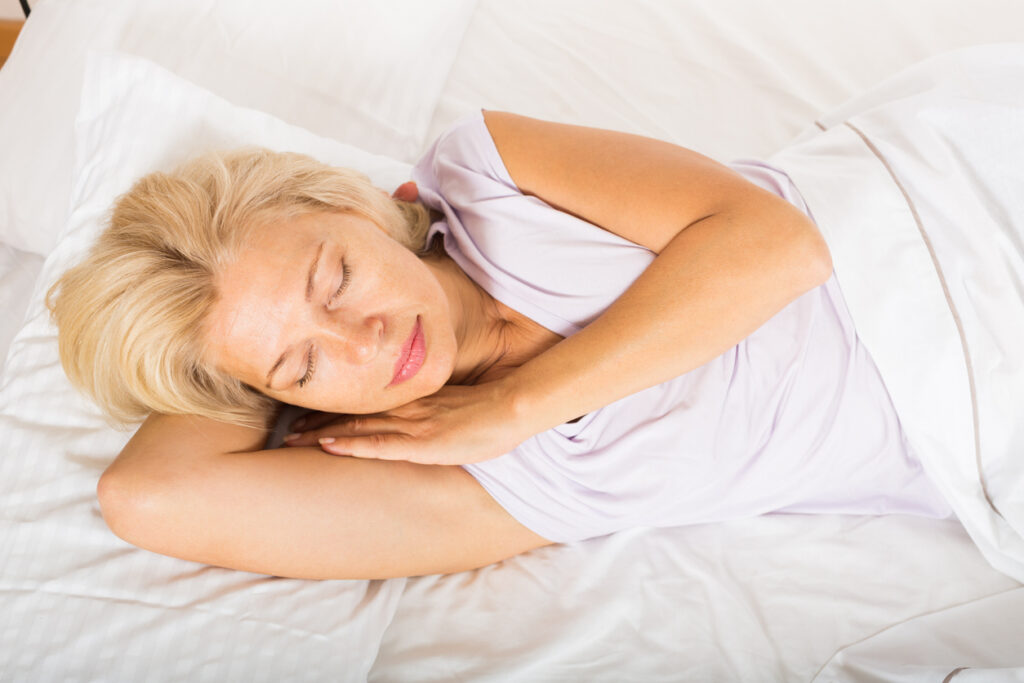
465	149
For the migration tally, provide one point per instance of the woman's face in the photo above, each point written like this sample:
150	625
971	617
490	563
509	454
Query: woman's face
328	312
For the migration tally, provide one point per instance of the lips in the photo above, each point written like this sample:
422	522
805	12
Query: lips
412	355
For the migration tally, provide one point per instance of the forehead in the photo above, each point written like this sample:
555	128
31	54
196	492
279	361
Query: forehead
275	255
261	293
274	228
257	295
277	228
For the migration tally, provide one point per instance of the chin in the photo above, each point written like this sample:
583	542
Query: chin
428	387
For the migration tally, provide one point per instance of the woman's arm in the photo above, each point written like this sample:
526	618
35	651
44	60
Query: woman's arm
203	491
730	255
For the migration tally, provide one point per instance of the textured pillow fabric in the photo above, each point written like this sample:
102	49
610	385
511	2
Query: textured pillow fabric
325	65
18	272
158	614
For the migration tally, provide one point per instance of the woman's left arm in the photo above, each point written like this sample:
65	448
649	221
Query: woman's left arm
729	256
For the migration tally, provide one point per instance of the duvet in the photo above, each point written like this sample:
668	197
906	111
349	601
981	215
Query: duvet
918	187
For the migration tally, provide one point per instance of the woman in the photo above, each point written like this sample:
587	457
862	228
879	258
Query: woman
578	267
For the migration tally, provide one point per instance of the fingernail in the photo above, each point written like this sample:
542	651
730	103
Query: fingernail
326	440
291	437
299	424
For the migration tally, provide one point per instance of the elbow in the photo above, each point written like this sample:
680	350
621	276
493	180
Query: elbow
818	260
810	258
153	507
128	505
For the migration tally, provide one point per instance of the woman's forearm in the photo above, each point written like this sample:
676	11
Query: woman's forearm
192	488
730	255
714	284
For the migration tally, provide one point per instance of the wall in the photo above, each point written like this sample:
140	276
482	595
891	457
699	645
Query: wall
11	9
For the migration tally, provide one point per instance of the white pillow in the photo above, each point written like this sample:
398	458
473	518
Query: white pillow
368	73
18	273
100	609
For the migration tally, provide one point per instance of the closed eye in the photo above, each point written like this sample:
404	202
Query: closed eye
310	356
345	275
310	367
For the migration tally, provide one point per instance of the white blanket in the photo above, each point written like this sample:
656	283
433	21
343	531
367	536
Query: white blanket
918	187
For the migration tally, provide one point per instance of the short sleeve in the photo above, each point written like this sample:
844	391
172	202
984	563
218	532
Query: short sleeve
558	270
679	452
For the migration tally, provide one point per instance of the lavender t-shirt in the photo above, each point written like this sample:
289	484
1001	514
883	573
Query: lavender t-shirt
795	418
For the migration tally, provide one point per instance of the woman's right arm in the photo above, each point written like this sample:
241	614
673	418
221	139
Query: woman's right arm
202	490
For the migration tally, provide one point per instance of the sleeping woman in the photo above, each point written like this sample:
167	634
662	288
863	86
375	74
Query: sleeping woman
569	332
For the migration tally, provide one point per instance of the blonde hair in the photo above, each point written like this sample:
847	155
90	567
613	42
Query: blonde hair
130	317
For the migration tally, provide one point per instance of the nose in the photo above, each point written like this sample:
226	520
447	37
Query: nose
358	338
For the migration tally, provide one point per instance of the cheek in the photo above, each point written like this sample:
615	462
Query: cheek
442	352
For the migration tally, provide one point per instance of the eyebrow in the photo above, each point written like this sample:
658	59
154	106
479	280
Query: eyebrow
310	279
312	272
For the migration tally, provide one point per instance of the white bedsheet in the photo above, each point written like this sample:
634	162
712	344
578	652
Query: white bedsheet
765	599
769	599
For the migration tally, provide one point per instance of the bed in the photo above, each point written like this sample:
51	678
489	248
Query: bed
97	92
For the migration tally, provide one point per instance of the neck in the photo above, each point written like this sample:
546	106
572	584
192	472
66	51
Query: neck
482	330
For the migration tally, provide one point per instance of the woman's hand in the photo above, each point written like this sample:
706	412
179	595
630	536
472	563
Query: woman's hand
407	192
455	426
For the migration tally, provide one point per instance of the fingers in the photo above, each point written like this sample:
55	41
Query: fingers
361	437
343	426
407	192
378	446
